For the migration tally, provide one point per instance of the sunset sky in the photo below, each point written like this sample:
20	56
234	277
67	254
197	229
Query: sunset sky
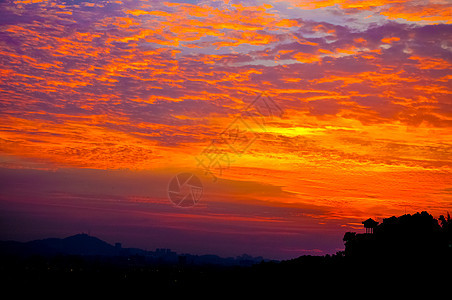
102	103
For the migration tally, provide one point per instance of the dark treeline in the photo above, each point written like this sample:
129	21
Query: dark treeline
404	239
410	249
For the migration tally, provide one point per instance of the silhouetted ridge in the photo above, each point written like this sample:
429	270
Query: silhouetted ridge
79	244
86	245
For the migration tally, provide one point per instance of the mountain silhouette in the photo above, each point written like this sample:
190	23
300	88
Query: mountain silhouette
79	244
86	245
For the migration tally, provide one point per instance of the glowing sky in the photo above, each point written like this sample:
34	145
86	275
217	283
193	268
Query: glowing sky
103	102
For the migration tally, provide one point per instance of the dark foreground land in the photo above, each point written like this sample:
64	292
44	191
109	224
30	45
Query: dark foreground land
407	252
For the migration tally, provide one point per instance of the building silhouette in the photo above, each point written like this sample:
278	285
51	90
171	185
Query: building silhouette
370	224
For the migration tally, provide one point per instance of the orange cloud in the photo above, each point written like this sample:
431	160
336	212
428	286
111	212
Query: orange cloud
353	4
389	40
414	11
431	12
431	63
306	57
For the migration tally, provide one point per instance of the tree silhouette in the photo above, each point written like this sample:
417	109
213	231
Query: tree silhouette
445	223
408	238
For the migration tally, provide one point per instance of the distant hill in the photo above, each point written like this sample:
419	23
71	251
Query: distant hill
86	245
79	244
